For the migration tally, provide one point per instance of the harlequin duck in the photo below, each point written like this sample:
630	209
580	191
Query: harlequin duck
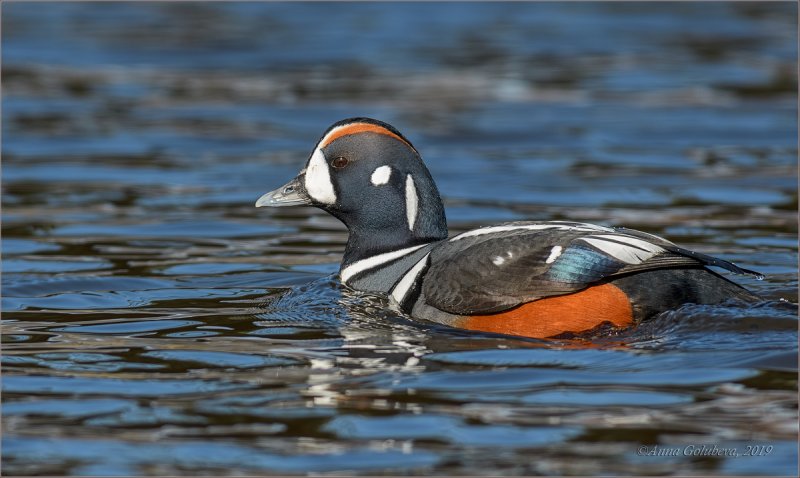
534	279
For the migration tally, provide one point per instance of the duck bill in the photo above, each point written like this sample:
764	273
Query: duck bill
290	194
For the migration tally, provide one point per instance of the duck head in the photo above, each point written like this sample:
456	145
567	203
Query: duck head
365	173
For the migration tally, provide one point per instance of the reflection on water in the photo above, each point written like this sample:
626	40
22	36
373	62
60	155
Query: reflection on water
155	323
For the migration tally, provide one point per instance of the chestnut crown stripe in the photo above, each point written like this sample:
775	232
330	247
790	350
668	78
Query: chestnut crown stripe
355	128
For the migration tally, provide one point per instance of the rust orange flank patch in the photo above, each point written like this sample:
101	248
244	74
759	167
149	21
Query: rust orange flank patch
358	128
544	318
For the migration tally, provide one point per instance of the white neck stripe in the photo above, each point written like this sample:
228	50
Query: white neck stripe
374	261
401	289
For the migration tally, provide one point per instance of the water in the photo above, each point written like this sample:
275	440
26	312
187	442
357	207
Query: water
156	323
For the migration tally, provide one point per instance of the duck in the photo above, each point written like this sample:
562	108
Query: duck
537	279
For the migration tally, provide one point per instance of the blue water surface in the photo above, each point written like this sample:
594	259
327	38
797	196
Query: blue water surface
156	323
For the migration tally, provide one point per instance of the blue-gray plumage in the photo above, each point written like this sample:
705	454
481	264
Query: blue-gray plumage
581	265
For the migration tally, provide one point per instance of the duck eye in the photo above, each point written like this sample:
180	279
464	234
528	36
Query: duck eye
339	162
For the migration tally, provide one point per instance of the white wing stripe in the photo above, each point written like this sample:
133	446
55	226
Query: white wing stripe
630	254
554	253
401	289
530	227
633	242
374	261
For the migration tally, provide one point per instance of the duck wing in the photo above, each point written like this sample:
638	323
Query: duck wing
496	268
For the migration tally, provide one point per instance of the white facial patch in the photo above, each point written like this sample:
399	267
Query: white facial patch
412	202
554	253
381	175
318	179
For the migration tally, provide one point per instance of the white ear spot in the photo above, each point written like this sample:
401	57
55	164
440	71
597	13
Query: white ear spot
381	175
412	202
318	179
